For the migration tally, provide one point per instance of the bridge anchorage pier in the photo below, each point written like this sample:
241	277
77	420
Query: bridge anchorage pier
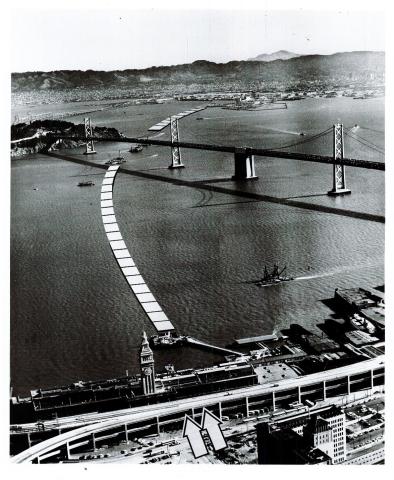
88	135
244	164
176	158
339	180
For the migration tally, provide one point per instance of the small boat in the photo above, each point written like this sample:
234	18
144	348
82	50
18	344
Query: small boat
273	278
200	118
302	134
88	183
116	161
166	341
361	323
135	148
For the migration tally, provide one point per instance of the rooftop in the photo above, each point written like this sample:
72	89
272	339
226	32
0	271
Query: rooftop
274	372
358	337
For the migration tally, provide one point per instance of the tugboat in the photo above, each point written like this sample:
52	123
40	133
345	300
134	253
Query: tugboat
274	277
88	183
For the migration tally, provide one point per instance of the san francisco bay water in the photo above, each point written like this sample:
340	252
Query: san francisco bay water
197	242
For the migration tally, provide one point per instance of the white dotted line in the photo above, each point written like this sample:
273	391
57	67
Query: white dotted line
123	257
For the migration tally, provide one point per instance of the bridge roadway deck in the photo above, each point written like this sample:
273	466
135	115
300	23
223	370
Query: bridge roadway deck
261	152
150	411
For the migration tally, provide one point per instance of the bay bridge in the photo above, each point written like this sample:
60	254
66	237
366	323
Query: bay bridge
128	423
244	157
244	170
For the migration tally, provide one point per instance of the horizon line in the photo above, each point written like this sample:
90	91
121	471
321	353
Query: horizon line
203	60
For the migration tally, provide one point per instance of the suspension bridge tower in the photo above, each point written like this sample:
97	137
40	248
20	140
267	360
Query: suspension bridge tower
88	135
176	159
244	164
339	180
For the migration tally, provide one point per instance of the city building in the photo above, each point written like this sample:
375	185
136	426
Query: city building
327	431
277	446
307	438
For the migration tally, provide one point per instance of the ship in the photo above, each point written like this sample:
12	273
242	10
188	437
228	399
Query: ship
116	161
361	323
135	148
166	341
273	277
88	183
120	158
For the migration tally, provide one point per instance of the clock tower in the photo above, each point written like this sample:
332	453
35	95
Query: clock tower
147	367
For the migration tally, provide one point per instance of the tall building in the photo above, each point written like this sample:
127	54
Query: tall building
283	446
319	434
335	418
308	438
147	365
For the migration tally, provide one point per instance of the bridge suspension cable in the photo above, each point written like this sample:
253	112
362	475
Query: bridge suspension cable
301	142
372	130
366	143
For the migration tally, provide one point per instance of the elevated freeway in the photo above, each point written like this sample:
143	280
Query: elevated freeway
322	385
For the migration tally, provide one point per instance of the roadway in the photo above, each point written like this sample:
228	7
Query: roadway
261	152
150	449
96	424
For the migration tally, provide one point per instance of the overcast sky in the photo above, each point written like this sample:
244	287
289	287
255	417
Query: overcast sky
119	39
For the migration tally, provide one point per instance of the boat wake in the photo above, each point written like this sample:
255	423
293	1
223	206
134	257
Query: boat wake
290	132
260	283
335	271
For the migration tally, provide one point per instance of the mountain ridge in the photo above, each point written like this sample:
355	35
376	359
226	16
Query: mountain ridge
279	55
205	72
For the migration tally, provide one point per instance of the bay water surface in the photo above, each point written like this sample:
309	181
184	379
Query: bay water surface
196	241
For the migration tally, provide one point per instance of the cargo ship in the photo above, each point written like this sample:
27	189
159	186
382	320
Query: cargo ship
273	277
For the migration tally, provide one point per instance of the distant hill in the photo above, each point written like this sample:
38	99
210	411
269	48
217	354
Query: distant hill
279	55
34	136
202	72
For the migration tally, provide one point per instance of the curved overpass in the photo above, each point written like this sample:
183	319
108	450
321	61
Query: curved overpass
129	416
